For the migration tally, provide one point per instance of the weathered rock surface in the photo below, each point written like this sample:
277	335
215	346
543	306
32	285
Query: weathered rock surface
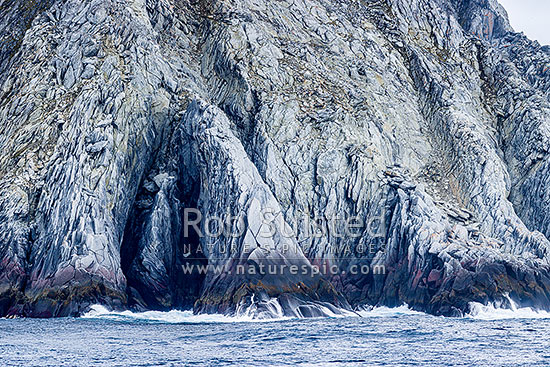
426	120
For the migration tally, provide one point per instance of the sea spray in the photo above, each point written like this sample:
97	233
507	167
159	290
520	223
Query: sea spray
497	311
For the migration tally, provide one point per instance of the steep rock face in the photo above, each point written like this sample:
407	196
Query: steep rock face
426	120
84	108
232	185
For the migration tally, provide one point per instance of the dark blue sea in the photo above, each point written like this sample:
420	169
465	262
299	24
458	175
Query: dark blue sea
379	337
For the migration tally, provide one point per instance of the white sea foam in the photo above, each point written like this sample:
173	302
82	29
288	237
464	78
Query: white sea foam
242	315
490	312
478	312
273	309
388	312
174	316
494	311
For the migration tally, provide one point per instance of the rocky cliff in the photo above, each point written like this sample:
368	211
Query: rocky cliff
428	121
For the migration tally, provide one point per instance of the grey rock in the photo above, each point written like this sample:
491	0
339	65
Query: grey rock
425	119
88	72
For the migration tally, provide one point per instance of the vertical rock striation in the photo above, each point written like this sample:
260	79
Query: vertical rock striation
426	120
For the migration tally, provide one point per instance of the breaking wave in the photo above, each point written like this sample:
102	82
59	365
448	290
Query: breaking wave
247	315
478	311
383	311
173	317
494	311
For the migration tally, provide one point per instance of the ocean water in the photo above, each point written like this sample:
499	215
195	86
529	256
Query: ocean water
379	337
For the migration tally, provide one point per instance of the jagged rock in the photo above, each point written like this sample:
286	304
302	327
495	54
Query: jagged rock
425	119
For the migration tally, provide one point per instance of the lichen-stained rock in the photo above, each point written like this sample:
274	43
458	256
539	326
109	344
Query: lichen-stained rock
426	120
17	18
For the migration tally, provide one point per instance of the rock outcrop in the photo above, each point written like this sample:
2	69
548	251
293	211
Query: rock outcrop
421	125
